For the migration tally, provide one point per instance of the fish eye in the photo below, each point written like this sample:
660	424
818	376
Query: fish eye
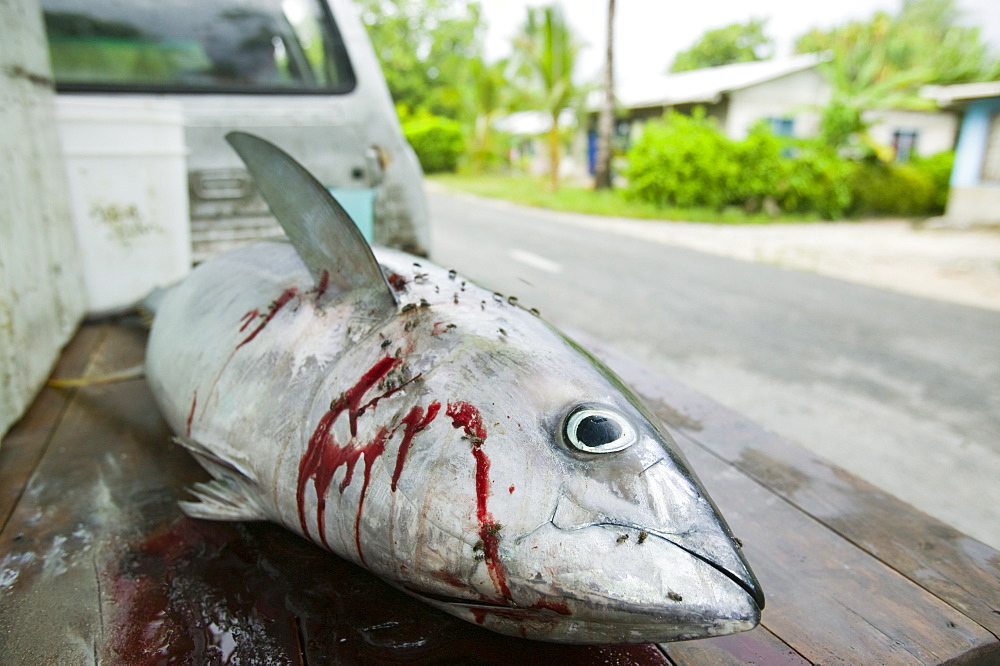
594	429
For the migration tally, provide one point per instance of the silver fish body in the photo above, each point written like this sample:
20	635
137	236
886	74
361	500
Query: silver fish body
448	440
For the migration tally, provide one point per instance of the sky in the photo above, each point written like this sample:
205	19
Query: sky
648	33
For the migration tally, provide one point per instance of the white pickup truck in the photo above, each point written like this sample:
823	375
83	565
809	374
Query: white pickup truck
300	73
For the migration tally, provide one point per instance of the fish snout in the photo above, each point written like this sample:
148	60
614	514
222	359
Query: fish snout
627	584
720	550
632	578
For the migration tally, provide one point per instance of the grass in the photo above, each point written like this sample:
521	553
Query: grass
532	191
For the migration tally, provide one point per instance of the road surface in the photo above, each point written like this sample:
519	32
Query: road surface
901	390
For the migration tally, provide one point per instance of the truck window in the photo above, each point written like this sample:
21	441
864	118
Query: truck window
238	46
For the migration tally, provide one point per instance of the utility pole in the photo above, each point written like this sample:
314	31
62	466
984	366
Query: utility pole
606	117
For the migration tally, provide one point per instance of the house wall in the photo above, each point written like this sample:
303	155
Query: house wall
41	292
974	198
936	130
800	96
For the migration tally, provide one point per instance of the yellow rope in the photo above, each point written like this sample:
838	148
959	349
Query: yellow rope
134	372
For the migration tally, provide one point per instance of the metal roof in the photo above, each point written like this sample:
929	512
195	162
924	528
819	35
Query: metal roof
706	85
961	92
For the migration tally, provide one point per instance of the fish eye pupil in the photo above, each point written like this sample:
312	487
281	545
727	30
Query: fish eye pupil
597	431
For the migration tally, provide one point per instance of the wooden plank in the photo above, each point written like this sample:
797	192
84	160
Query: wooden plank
25	443
258	594
103	476
98	565
830	601
956	568
759	646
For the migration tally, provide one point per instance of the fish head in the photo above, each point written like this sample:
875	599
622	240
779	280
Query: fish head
581	521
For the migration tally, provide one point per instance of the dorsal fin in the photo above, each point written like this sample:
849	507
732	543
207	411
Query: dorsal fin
329	243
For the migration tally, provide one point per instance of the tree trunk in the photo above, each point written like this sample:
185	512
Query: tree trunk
606	118
554	153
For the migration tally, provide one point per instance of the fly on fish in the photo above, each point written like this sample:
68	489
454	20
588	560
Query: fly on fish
453	443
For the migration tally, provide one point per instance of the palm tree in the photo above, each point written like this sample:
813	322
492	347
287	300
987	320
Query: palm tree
606	119
490	96
547	50
865	76
882	62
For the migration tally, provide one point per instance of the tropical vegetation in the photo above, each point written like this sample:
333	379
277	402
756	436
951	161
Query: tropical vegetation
883	62
450	97
685	161
545	52
737	42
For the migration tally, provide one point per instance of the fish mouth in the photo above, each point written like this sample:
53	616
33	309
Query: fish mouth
714	547
588	604
750	584
747	582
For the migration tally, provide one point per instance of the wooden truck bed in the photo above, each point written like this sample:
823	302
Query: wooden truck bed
98	565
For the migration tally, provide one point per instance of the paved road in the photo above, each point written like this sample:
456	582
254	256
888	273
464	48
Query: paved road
903	391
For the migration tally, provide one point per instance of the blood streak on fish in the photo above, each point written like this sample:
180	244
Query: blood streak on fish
397	281
517	614
448	577
324	283
413	423
248	318
466	416
190	418
324	456
371	452
555	606
279	303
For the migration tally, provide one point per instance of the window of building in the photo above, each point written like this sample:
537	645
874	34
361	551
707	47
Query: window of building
782	126
904	143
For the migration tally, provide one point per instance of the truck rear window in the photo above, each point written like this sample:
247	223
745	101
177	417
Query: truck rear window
239	46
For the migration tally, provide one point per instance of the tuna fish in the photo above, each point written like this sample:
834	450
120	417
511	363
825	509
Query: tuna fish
436	433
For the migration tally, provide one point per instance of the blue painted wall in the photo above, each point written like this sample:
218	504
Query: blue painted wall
972	142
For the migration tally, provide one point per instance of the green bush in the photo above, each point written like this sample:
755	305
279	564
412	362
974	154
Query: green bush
438	142
761	168
892	189
815	180
939	168
683	161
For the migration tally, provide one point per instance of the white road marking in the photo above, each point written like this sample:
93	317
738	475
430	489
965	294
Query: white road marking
535	261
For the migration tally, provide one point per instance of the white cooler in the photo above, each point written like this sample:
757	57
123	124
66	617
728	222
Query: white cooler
125	161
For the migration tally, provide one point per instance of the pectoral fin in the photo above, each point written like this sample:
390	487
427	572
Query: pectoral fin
230	495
